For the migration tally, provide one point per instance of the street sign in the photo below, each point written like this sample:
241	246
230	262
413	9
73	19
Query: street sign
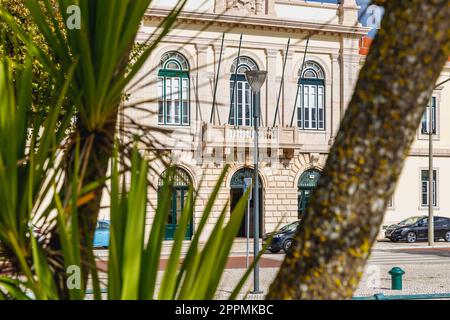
248	183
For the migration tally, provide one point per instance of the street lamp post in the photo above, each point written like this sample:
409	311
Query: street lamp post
430	178
256	79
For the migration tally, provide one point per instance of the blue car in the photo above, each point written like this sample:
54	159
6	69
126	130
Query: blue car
101	235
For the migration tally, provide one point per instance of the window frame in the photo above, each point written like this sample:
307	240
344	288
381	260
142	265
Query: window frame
391	203
247	63
184	95
436	135
422	205
234	112
319	84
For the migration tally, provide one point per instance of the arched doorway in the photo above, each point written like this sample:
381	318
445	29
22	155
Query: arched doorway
306	185
177	202
237	191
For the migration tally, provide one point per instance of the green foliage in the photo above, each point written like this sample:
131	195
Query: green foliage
14	48
28	168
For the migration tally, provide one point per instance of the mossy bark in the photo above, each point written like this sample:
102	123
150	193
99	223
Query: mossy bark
347	208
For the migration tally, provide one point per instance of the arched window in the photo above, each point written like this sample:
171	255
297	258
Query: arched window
241	101
177	203
306	185
311	97
173	90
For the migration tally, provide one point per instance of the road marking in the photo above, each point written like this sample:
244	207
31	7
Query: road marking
389	257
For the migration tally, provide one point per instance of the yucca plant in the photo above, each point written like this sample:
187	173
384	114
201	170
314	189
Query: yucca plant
28	167
100	51
134	258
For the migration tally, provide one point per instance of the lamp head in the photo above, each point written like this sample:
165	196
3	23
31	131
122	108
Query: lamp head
256	79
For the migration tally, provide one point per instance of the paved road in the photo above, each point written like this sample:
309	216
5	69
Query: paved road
383	253
410	256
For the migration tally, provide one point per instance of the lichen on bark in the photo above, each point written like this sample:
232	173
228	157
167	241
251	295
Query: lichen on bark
346	211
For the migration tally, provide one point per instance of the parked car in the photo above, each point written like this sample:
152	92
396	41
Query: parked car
283	239
101	235
416	228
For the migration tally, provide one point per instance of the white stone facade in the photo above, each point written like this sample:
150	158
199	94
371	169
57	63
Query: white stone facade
202	149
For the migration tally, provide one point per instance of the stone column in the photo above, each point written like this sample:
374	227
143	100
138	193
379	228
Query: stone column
289	91
223	87
270	9
272	87
202	95
335	95
350	60
348	13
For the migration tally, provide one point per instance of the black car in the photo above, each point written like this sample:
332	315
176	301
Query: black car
283	239
416	228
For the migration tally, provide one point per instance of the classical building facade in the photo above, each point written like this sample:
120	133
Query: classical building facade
195	88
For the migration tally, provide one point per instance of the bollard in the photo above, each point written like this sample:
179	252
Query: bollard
396	275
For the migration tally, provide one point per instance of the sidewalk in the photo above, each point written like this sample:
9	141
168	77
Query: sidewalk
420	278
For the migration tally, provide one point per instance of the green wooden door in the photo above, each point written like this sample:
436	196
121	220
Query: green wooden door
176	208
306	185
236	193
176	203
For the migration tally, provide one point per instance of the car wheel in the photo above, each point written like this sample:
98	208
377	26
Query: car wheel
411	237
287	245
394	240
447	236
274	250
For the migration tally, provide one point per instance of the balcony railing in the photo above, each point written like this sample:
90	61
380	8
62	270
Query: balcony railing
227	136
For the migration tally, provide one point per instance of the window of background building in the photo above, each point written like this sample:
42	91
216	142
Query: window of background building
426	118
391	203
173	90
241	93
311	98
425	188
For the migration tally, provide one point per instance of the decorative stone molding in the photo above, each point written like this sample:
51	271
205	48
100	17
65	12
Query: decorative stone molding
272	53
255	22
314	158
256	7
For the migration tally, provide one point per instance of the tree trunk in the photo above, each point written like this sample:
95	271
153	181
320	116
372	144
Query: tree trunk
98	147
347	208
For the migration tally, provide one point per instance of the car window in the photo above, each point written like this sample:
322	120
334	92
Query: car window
409	221
290	227
441	220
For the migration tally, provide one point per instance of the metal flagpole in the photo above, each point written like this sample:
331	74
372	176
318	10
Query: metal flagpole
213	110
298	87
281	83
235	81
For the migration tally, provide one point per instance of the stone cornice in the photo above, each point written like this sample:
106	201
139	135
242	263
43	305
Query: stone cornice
415	152
313	49
259	22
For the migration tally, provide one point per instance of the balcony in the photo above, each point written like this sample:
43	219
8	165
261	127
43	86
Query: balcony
228	137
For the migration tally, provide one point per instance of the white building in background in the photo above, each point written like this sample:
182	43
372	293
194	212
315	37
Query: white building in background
178	84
